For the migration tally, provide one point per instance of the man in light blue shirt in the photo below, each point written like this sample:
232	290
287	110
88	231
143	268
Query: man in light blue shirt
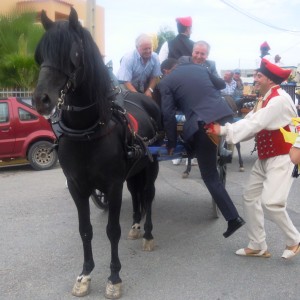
230	84
140	69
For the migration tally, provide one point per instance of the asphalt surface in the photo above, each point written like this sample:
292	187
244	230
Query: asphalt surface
41	251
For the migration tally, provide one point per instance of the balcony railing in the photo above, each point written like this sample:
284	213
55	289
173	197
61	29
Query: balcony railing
15	92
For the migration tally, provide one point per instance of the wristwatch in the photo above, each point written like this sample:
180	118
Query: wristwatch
150	89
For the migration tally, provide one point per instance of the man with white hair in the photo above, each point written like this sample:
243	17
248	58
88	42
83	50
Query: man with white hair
140	68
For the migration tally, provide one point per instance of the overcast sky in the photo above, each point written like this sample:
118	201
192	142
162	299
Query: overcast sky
234	37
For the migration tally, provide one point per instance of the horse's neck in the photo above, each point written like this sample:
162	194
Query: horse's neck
79	119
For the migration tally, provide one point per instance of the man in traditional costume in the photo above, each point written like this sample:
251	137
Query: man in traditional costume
271	176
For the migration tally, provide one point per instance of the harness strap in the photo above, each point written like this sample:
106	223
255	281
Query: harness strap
116	90
76	108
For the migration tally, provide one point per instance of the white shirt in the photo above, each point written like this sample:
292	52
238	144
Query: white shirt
163	52
278	113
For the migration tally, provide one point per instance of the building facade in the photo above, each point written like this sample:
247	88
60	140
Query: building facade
90	15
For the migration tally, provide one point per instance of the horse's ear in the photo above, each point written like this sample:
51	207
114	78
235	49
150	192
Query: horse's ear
73	18
47	23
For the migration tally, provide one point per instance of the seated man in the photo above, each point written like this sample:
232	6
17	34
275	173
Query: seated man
230	84
140	68
229	90
239	90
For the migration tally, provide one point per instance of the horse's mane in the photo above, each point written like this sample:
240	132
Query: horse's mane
54	48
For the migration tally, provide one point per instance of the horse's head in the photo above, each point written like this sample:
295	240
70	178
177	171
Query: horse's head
60	56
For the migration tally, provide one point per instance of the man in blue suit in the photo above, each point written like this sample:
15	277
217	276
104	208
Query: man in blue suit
188	88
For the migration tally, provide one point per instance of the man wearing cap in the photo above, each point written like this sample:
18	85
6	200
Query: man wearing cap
264	51
270	178
181	44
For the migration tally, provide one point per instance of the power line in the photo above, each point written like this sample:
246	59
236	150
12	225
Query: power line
235	7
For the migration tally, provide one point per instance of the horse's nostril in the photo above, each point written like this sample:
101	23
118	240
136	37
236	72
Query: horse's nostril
45	99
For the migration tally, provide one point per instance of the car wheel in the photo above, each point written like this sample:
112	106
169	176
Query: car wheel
42	156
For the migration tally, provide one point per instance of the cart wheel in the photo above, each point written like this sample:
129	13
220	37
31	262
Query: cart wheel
99	199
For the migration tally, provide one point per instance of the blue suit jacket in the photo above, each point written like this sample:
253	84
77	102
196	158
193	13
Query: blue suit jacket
188	88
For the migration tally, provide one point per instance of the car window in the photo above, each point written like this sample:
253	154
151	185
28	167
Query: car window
25	115
3	112
27	101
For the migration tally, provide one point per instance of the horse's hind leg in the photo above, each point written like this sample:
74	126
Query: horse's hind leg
142	189
82	284
133	184
238	147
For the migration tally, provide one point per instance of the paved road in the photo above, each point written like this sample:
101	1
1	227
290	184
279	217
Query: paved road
41	252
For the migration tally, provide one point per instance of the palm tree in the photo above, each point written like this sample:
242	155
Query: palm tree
164	34
19	36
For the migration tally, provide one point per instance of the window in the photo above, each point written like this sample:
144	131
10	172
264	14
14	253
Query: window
3	112
24	115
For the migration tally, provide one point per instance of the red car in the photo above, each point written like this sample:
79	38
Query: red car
25	134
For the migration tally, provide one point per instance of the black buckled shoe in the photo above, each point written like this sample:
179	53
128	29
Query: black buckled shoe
233	225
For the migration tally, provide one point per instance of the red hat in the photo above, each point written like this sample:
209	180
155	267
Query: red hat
186	21
265	45
273	72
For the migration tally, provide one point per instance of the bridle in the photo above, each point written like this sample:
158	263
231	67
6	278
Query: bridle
58	126
69	85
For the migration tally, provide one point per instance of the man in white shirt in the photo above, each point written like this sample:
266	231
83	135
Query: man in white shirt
270	178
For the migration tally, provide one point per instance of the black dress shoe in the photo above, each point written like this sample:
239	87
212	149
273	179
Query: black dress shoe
233	225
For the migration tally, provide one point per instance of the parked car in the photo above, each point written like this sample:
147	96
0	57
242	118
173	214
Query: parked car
25	134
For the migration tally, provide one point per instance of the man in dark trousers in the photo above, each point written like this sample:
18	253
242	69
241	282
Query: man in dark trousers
181	44
188	88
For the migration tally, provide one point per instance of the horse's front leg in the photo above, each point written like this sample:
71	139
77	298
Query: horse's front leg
113	231
82	284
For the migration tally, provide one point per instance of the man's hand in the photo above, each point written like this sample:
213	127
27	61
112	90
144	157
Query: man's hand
213	128
148	93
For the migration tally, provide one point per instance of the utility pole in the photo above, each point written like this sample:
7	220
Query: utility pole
90	16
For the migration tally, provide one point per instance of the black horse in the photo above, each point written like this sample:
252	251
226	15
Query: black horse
100	145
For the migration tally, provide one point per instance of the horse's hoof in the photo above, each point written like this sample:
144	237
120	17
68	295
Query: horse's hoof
113	291
135	232
82	286
242	169
148	245
185	175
